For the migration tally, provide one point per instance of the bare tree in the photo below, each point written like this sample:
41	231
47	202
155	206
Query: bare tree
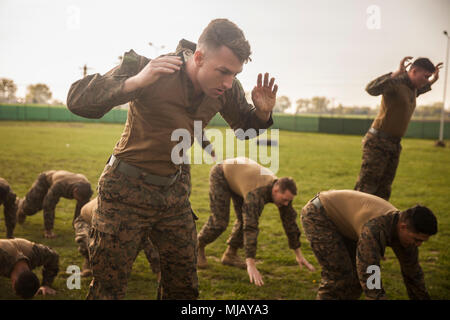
7	90
38	93
320	104
282	104
302	105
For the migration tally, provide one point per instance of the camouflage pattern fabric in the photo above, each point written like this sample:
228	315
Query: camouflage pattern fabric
248	211
35	197
345	262
8	199
34	253
335	254
129	211
379	164
219	202
82	229
48	258
43	196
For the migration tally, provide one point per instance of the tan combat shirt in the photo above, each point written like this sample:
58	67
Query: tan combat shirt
158	109
397	103
88	210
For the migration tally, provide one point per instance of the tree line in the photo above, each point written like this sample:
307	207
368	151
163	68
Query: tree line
38	93
322	105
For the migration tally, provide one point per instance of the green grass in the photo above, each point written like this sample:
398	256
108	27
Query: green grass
316	161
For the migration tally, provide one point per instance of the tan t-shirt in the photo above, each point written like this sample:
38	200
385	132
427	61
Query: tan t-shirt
18	247
350	210
244	175
88	210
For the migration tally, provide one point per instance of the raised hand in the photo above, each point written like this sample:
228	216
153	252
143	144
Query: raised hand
152	71
264	96
435	75
404	63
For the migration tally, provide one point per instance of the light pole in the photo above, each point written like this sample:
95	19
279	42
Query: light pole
157	48
441	142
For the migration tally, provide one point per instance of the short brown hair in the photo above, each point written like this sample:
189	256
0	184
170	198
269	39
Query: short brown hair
287	183
223	32
26	285
424	63
420	219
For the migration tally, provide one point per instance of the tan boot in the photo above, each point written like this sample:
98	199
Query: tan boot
19	213
87	272
202	263
231	258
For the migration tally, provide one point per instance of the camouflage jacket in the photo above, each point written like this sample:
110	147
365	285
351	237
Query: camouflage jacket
7	197
14	250
251	212
376	235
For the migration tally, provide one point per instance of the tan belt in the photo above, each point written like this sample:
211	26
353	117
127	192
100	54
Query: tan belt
135	172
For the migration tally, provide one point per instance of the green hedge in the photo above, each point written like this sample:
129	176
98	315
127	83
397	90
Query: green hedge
355	126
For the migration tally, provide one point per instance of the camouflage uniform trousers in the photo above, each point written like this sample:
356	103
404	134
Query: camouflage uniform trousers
335	253
9	210
82	229
379	164
220	195
129	211
34	199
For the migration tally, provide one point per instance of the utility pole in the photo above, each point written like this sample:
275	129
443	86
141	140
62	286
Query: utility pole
440	142
85	68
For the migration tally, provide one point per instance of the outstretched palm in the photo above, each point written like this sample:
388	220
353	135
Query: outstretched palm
435	75
264	94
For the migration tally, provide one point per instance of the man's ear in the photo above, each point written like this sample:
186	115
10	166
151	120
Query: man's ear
276	187
403	226
199	58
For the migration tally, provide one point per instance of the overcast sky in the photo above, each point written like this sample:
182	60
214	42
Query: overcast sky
321	47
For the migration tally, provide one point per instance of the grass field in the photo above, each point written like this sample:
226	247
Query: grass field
316	161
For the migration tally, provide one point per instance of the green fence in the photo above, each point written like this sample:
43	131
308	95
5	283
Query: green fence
51	113
356	126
